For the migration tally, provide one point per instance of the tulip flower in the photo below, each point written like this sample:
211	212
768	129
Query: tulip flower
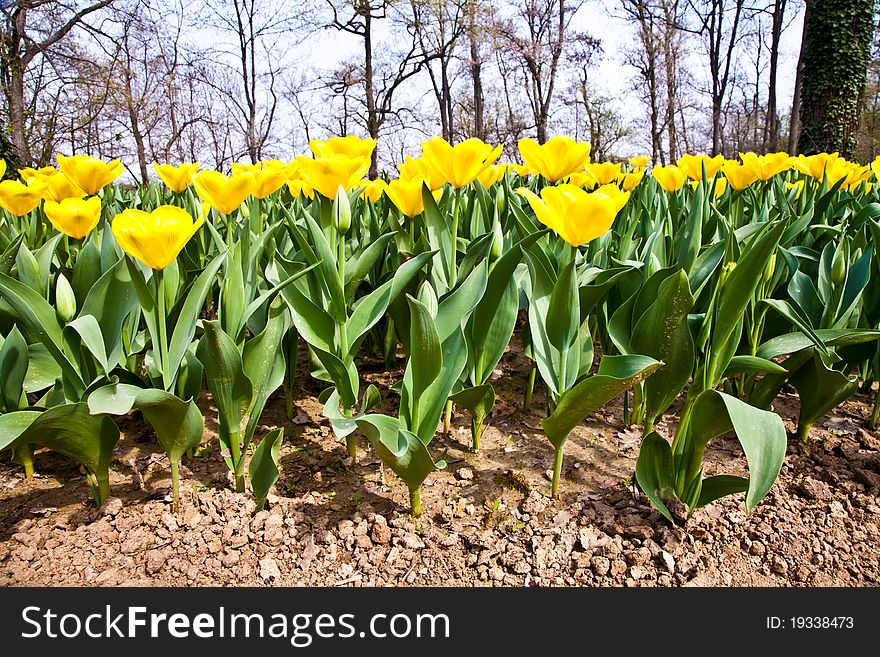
18	198
814	165
852	174
558	158
577	216
155	238
178	178
670	177
89	173
407	196
766	166
56	187
630	180
460	164
267	181
522	170
738	175
226	193
796	185
298	186
350	146
601	173
422	169
491	175
74	216
28	174
326	174
875	167
693	165
2	168
373	189
720	186
639	162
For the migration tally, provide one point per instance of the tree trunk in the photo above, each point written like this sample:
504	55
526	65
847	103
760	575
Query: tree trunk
771	131
794	119
476	74
373	123
837	44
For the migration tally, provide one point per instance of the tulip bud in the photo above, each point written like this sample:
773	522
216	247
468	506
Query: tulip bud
500	201
725	273
769	269
838	267
341	211
428	298
497	242
245	210
65	300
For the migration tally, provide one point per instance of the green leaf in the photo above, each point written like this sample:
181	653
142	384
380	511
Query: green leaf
224	373
752	365
791	314
72	431
425	358
793	342
761	434
14	363
263	363
13	424
38	318
343	374
563	313
478	400
615	374
454	310
714	488
654	472
399	449
185	328
662	333
178	424
111	299
263	467
43	370
89	332
820	389
313	323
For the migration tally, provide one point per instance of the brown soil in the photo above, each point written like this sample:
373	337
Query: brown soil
488	519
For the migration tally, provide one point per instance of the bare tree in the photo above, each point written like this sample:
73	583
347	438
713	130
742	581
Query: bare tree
31	29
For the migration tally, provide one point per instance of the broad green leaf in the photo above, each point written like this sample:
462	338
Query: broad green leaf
86	326
38	318
343	374
563	312
615	374
13	424
14	363
263	363
753	365
425	358
43	369
399	449
185	328
654	472
820	390
263	467
791	314
714	488
662	333
111	299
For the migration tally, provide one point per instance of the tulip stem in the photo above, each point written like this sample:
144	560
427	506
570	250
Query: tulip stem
163	329
447	418
476	432
530	387
175	485
415	501
557	472
875	414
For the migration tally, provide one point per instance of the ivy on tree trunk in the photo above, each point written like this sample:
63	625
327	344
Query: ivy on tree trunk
837	44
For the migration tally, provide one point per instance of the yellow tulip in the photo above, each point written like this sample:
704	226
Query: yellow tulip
420	168
178	178
460	164
226	193
74	216
639	161
738	175
327	174
267	181
692	165
407	196
670	177
348	146
851	173
18	198
603	173
57	188
577	216
720	186
582	179
629	180
245	167
814	165
2	168
522	170
491	175
373	189
766	166
155	238
89	173
558	158
28	175
875	167
798	185
298	186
